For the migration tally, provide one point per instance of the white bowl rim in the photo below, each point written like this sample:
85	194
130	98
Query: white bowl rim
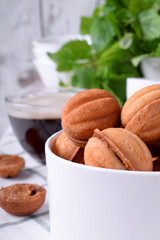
97	169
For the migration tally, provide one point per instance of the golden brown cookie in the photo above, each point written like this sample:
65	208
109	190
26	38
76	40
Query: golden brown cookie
87	111
141	115
64	148
117	148
22	199
10	165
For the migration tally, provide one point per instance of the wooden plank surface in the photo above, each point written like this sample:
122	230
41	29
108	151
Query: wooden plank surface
19	24
63	16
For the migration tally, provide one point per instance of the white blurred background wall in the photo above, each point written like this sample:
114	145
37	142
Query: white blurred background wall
21	21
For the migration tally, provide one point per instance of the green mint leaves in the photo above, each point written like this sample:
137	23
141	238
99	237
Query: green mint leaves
123	32
102	34
71	54
150	24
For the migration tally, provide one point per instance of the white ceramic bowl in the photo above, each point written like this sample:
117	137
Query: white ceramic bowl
135	84
49	75
150	68
89	203
47	72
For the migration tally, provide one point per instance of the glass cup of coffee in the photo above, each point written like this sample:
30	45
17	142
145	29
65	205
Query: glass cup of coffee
34	116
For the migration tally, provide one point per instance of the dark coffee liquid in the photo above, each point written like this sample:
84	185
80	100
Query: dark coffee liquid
33	133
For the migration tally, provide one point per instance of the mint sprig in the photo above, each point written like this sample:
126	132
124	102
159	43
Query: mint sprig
123	32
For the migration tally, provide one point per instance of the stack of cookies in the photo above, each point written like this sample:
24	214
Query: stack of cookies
97	132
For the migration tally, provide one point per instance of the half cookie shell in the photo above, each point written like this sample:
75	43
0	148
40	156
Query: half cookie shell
117	148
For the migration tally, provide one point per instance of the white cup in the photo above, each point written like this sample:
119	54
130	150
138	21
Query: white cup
90	203
150	68
135	84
